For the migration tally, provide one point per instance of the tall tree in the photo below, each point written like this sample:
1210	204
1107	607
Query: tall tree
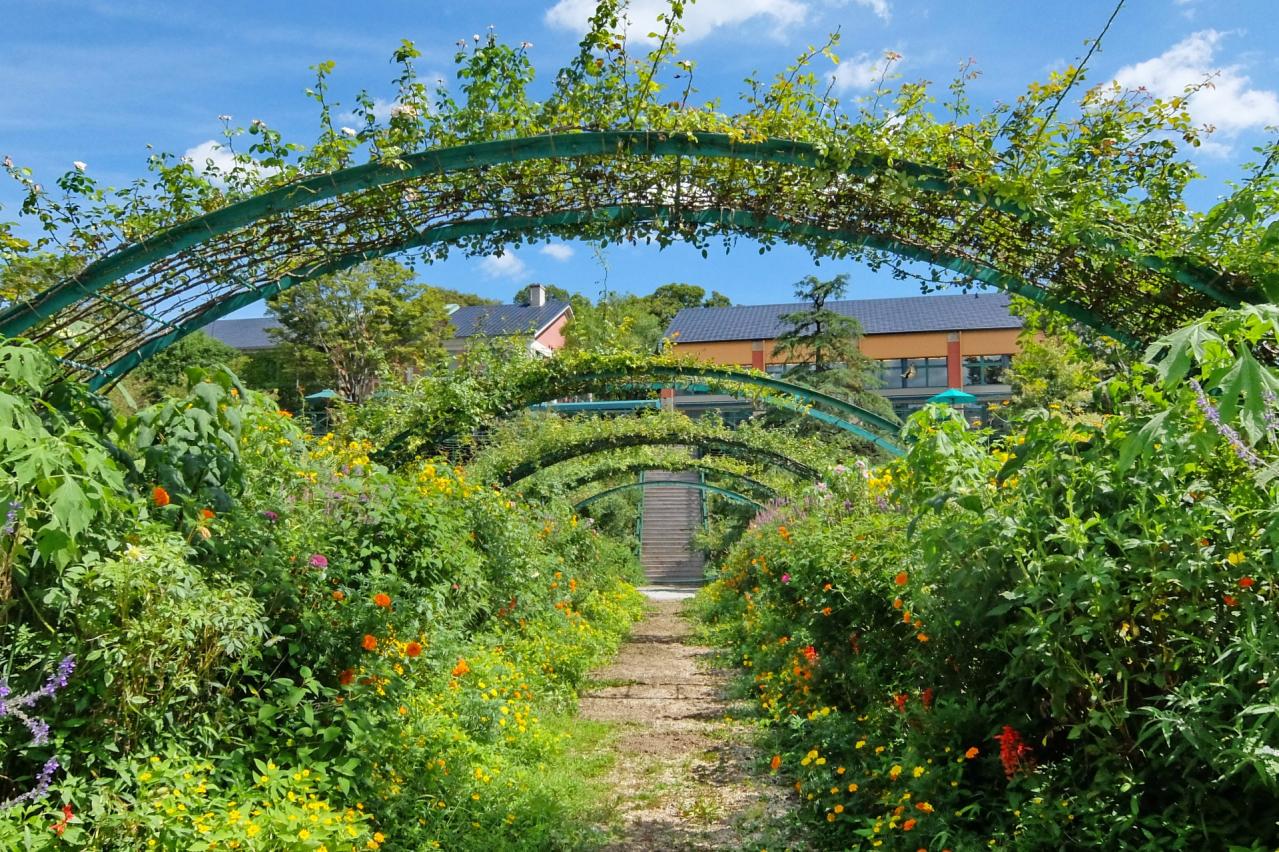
823	346
367	321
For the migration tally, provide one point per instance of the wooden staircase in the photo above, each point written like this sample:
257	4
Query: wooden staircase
672	514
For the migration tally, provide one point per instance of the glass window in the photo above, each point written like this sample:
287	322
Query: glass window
985	369
913	372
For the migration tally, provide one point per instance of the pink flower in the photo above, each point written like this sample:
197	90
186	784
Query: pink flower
319	560
786	578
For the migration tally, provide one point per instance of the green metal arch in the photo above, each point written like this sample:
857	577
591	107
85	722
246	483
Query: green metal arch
725	445
20	318
742	481
744	221
701	486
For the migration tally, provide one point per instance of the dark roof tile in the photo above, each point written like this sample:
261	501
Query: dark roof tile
504	320
963	312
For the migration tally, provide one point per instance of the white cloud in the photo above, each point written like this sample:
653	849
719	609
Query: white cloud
503	266
700	18
558	251
859	73
879	7
212	155
1228	103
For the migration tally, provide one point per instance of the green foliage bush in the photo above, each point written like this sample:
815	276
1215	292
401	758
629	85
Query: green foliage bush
1066	637
282	645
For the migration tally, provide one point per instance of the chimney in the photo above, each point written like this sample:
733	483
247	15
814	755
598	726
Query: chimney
536	295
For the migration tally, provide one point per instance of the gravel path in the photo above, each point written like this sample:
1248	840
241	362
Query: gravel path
686	776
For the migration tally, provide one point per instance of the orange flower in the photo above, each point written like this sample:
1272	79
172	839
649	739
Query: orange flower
369	643
208	514
284	413
922	637
383	600
461	668
825	610
160	497
1230	600
971	753
1246	582
346	677
897	603
339	595
901	578
413	649
776	763
908	825
925	807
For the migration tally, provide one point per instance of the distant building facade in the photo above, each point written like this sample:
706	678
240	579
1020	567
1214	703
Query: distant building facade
540	322
923	344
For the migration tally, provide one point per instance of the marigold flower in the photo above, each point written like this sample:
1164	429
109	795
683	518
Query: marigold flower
1246	582
208	514
160	497
346	676
413	649
461	668
900	700
972	752
925	807
810	654
895	772
383	600
1230	600
908	825
901	578
369	643
339	595
776	763
826	610
897	603
922	637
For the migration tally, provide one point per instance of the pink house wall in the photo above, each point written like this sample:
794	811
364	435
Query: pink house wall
553	336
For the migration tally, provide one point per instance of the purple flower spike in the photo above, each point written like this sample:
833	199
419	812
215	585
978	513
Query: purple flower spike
38	727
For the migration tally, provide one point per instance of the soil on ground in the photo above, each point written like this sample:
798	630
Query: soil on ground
686	776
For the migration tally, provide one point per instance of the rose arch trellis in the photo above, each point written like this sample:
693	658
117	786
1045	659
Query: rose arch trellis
142	297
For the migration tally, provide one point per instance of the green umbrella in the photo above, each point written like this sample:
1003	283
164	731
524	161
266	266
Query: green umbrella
954	396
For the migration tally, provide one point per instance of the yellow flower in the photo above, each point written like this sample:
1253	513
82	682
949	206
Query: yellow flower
303	834
895	772
918	771
1236	558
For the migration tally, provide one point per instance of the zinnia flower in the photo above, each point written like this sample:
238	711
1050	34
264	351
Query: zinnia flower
270	516
786	578
383	600
346	676
1246	582
339	595
413	649
207	514
369	643
908	825
901	578
160	497
319	560
1230	600
461	668
776	763
971	753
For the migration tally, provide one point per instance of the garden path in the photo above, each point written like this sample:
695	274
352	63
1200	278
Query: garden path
686	776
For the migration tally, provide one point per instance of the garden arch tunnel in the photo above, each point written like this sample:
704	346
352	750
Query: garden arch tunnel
137	298
706	465
552	379
701	486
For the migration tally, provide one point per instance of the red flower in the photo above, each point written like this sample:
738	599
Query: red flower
908	825
810	653
927	698
1230	600
346	677
413	649
208	514
776	763
383	600
900	700
61	825
369	643
901	578
1014	753
1246	582
160	497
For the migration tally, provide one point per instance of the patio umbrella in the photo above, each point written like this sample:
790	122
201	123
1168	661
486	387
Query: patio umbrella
954	396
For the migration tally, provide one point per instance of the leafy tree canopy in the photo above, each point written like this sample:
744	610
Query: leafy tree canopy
366	322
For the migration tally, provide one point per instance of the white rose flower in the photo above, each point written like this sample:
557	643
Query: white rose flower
348	131
79	166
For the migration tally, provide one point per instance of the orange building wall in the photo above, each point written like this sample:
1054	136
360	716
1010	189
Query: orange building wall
877	346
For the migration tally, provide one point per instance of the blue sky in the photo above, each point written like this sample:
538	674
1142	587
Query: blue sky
97	81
